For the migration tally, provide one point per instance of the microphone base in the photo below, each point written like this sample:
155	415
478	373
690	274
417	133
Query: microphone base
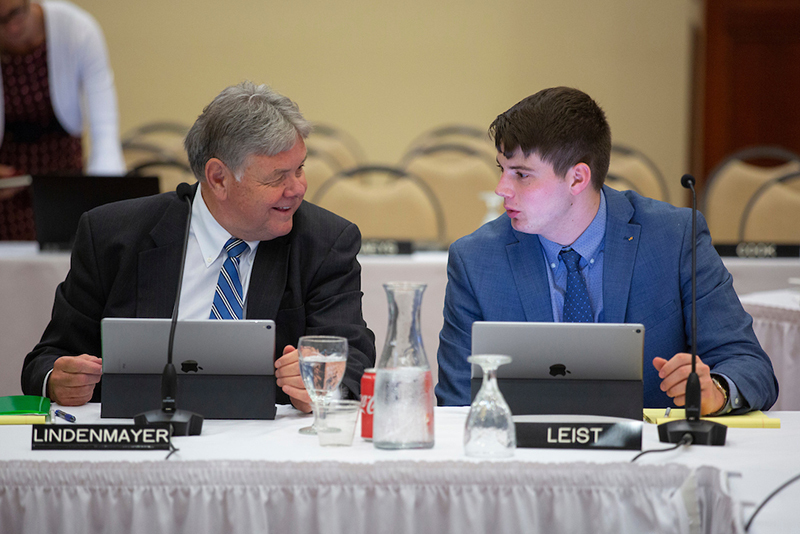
184	423
703	432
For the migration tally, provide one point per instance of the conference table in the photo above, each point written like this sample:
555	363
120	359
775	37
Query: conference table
263	476
28	279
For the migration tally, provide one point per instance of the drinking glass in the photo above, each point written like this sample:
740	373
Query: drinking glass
489	431
323	360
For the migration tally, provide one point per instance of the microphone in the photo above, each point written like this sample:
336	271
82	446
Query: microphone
183	423
693	429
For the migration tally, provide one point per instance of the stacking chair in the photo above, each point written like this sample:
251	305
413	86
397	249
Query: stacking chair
170	172
734	181
458	175
319	167
157	148
620	183
631	169
386	203
165	135
455	134
341	150
772	214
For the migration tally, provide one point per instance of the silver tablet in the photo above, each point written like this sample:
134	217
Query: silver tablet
139	346
573	351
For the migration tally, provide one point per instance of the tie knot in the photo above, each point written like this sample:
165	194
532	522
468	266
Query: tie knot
235	247
571	259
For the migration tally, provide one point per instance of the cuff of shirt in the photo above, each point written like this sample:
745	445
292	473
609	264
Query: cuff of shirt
735	400
44	384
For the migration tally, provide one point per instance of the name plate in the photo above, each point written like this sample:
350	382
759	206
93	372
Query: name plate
580	435
100	437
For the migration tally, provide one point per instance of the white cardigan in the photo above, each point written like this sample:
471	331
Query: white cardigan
80	77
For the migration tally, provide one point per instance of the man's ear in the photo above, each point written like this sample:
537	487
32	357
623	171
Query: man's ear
580	177
218	178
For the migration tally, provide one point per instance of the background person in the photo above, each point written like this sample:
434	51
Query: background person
633	263
299	267
54	61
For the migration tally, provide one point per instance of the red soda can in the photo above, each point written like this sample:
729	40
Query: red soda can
367	402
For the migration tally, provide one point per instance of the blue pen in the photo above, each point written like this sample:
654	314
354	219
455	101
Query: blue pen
65	415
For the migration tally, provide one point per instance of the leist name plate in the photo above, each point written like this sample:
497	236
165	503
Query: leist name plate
577	432
102	437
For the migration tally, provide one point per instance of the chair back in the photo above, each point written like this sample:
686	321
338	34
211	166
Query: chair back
631	169
340	149
734	181
385	203
772	215
459	176
455	134
170	172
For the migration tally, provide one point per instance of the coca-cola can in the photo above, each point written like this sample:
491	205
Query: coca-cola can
367	402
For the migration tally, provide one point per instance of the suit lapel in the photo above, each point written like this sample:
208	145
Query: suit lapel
268	279
159	267
621	245
530	275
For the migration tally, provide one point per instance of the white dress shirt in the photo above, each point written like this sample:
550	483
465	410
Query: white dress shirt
204	259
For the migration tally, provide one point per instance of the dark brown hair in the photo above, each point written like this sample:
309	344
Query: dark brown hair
563	126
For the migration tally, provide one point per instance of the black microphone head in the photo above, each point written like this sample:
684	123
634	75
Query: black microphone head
687	181
184	191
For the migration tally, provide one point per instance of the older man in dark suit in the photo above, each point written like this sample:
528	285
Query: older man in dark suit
297	263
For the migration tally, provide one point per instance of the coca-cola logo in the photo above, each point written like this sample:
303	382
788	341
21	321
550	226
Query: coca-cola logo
368	404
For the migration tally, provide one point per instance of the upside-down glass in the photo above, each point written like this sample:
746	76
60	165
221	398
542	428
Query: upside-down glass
323	360
489	431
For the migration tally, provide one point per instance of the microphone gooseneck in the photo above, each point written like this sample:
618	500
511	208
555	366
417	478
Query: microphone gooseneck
182	422
693	429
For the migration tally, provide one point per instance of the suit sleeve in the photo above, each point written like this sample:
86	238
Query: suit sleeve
461	309
333	305
74	326
725	337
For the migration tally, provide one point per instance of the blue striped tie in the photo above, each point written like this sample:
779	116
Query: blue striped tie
577	307
228	299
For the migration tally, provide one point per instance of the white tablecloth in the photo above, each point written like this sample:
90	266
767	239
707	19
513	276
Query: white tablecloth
262	476
776	322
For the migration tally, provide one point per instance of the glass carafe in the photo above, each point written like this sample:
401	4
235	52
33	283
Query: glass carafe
404	400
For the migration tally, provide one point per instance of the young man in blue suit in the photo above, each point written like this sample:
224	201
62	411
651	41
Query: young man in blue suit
633	263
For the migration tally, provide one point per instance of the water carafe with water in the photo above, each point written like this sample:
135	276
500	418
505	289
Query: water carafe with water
403	395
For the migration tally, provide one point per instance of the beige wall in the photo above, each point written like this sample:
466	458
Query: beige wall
387	71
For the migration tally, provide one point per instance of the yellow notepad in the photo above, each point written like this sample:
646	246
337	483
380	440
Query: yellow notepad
24	410
754	419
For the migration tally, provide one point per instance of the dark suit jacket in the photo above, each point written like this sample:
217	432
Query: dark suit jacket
126	262
499	274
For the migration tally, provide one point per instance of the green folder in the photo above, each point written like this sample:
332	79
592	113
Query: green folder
24	410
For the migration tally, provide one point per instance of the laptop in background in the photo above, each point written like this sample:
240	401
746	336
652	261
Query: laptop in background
226	369
60	200
565	368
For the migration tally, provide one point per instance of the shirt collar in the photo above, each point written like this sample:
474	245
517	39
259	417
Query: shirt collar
210	235
588	244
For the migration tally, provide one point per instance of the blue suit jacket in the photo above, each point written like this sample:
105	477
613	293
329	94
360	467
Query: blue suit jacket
499	274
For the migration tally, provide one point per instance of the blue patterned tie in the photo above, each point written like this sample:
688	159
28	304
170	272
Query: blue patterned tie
228	299
577	307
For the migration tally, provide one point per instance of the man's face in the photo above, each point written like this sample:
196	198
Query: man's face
536	200
260	207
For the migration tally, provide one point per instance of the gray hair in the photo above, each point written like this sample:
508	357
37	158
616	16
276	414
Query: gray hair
243	120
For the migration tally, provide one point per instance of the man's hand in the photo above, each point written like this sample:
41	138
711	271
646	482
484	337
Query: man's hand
676	370
8	172
287	371
73	379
